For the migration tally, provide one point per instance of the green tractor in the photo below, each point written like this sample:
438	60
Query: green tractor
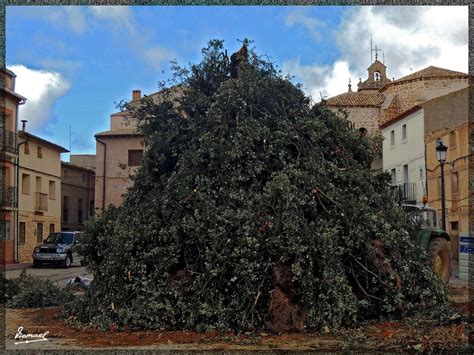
433	239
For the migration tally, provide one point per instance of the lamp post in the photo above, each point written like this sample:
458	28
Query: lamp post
441	150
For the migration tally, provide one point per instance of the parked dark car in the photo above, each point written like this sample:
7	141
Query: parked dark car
59	248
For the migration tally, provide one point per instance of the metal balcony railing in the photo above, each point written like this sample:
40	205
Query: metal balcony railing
41	201
7	196
405	192
8	141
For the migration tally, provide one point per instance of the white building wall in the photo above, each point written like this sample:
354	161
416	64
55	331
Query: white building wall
398	152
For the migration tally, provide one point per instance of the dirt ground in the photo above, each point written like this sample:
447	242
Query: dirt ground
387	336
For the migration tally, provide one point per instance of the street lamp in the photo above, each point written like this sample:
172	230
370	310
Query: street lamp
441	150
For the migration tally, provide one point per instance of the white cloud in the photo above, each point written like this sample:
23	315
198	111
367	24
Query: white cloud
411	38
299	17
76	18
155	56
120	15
41	89
320	80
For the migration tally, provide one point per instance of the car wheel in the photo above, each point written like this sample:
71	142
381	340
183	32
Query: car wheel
37	263
439	258
66	263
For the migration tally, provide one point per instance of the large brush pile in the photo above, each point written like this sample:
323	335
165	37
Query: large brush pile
252	209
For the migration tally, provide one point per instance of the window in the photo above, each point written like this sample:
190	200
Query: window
452	139
454	183
22	233
51	228
393	173
405	173
421	173
39	232
392	138
404	132
39	152
79	211
454	226
377	76
4	230
25	184
65	208
52	190
27	148
38	184
135	157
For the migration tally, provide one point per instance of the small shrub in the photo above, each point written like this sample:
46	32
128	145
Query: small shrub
28	291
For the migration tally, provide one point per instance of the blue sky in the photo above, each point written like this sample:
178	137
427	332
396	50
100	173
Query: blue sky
73	63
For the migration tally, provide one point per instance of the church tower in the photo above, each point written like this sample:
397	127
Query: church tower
377	77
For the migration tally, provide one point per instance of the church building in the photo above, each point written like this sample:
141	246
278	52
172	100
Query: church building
379	99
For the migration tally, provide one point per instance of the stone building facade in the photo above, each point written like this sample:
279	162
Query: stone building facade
379	99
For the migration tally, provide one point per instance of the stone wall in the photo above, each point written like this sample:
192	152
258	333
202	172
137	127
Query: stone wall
415	92
362	117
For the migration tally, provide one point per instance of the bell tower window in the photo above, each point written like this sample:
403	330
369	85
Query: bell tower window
377	76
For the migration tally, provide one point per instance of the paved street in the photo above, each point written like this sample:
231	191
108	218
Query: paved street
58	275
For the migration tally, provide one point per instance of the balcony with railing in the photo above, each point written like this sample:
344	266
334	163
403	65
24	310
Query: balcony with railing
41	202
8	141
406	192
7	197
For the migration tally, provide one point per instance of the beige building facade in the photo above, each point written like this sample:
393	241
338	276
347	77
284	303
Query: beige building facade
10	102
448	120
39	202
77	195
118	154
119	151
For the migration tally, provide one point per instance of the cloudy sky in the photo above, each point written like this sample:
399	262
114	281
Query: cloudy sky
74	63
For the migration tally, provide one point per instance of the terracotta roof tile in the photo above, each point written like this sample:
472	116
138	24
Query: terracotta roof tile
119	132
432	72
357	99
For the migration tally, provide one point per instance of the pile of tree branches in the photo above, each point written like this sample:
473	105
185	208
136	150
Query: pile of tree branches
252	209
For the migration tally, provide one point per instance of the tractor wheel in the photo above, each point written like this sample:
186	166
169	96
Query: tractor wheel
439	258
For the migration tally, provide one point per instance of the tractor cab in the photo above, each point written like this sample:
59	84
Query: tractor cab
425	217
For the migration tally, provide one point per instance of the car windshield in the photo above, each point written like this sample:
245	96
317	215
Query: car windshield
60	238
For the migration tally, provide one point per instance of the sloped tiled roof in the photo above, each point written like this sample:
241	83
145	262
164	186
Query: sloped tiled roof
29	136
432	72
119	132
357	99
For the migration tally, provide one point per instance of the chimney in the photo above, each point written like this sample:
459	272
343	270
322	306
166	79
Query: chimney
136	95
23	125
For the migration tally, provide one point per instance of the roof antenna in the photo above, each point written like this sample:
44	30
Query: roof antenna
371	49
